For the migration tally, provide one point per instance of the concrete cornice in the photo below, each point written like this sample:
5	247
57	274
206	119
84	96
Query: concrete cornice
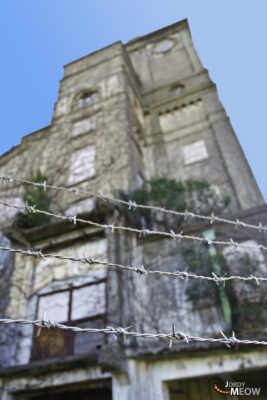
99	51
49	365
15	150
191	95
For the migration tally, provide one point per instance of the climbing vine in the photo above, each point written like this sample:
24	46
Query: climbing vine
195	195
246	304
36	196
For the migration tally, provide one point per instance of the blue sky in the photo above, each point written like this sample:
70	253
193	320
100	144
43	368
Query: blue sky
39	37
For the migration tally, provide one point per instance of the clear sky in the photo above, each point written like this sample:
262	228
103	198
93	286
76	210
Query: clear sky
38	37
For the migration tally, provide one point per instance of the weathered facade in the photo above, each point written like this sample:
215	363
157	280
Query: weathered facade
126	113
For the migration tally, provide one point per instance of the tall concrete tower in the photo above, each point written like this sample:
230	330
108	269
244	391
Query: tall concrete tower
125	114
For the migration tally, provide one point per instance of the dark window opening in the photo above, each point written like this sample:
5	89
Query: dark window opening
177	89
203	388
86	99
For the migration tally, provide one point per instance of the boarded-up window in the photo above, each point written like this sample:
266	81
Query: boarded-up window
194	152
85	125
83	306
52	343
82	165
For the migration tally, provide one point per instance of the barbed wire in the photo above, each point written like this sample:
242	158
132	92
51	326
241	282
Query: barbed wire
142	232
184	275
132	205
139	270
109	330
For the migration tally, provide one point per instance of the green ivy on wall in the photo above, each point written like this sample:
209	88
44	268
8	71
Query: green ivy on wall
194	195
246	310
36	196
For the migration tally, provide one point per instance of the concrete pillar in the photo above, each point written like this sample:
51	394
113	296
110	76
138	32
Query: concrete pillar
120	387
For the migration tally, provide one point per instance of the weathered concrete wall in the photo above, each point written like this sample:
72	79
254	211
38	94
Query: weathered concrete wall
183	150
151	379
8	334
49	379
148	303
87	147
155	56
34	277
166	60
146	379
152	303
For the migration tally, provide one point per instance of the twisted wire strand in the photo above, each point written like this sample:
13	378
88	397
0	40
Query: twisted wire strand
132	205
139	270
141	232
172	336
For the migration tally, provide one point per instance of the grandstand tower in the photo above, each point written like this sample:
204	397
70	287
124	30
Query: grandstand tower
127	114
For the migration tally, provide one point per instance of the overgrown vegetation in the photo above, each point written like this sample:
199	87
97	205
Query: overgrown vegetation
191	194
36	196
201	264
250	296
245	299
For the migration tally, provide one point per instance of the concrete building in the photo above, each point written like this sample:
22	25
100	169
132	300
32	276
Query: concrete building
125	114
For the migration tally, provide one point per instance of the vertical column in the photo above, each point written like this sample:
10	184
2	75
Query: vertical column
246	188
120	387
236	164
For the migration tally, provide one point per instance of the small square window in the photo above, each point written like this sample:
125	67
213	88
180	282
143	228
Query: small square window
88	301
55	305
86	99
195	152
82	165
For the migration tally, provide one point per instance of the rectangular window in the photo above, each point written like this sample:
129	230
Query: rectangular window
84	126
82	165
88	301
83	306
195	152
55	305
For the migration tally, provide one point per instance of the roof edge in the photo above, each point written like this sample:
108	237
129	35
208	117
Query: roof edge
176	26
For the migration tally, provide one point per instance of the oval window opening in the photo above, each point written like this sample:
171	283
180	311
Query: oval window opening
163	46
177	89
